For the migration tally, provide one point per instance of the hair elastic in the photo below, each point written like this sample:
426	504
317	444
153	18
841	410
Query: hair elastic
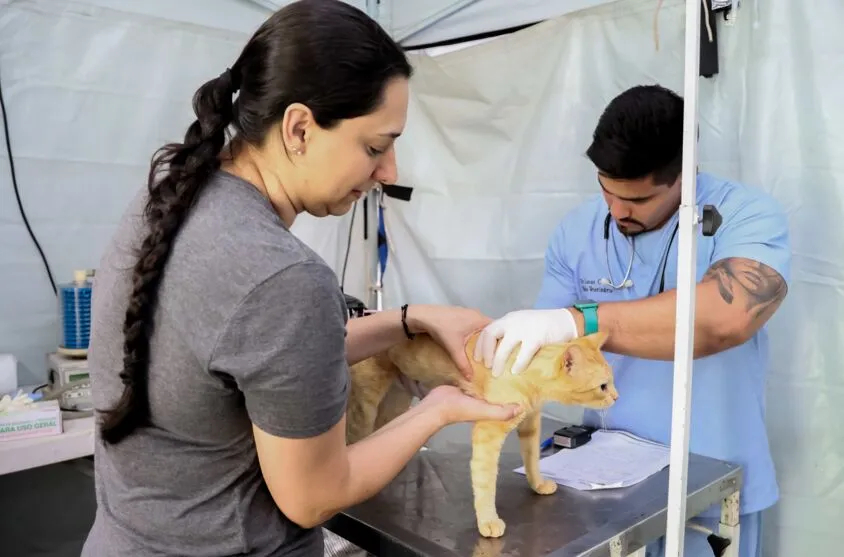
232	78
407	332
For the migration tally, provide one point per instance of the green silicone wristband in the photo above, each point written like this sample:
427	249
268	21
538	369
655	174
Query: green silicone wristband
590	321
590	317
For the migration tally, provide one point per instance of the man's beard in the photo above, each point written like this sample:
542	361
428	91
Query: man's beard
631	228
636	227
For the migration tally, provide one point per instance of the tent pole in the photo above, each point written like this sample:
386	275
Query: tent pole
372	260
372	200
686	282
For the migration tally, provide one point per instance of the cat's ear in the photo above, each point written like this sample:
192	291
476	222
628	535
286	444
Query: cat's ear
597	339
568	359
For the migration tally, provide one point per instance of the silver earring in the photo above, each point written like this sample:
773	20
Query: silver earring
296	151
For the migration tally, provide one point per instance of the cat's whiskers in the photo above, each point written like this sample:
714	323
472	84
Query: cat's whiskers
603	413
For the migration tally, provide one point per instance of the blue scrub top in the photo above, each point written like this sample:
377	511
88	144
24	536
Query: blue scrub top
728	389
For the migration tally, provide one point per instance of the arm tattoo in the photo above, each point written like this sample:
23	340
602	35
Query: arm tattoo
761	287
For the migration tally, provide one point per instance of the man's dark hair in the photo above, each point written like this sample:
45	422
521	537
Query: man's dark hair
640	133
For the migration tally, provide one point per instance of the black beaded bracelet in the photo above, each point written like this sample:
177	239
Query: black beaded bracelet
407	332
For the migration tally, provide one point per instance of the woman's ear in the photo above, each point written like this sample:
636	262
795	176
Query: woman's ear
295	125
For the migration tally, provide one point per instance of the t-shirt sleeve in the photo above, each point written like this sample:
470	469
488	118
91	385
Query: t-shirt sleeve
755	227
285	348
558	289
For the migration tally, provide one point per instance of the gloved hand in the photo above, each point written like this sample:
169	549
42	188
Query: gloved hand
533	328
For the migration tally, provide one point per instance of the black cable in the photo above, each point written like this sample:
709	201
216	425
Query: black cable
348	248
18	195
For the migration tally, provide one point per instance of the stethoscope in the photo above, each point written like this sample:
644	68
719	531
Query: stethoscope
627	282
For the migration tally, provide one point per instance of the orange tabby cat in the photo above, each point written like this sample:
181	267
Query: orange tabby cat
570	373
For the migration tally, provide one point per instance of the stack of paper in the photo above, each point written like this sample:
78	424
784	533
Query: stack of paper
611	459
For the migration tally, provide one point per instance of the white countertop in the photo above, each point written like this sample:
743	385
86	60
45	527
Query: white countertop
76	441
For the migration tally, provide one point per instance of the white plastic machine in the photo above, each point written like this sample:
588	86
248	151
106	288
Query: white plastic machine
67	366
70	376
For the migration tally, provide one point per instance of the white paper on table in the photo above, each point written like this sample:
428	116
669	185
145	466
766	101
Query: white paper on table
611	459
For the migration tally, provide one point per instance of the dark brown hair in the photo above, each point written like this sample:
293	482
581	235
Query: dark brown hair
640	134
325	54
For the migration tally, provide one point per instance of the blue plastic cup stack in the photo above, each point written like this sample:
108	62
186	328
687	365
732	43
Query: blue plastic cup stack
75	315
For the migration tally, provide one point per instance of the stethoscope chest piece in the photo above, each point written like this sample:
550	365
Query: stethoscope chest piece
710	219
627	282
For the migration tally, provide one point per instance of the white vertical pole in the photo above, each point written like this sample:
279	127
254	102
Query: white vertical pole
686	275
370	246
379	271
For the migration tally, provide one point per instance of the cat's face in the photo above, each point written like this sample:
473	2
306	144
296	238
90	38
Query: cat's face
581	375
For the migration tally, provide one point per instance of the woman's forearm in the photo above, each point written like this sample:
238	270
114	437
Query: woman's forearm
332	476
394	444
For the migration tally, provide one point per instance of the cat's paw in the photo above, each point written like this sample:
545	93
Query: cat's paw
491	528
545	487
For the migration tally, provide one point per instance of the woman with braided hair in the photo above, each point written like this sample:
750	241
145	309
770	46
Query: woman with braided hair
220	347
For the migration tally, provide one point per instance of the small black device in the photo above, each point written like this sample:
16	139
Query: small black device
572	436
354	306
711	220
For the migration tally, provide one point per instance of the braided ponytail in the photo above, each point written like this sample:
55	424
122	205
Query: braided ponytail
325	54
185	167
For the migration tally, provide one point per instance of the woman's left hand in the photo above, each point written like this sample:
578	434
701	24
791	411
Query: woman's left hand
449	326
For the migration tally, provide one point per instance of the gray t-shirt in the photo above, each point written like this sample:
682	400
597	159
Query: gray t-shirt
249	327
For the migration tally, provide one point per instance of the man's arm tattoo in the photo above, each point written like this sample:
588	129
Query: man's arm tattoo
761	287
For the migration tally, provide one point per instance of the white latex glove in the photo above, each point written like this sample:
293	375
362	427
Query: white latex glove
533	328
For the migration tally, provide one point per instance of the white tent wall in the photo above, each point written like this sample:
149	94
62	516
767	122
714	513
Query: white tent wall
92	88
90	93
494	144
420	22
495	151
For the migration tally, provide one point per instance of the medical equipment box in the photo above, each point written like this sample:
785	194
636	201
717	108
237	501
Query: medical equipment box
71	376
36	419
573	436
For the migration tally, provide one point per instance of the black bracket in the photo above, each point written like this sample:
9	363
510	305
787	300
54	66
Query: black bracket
402	193
711	220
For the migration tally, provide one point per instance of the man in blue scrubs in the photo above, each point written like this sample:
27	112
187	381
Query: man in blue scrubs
611	265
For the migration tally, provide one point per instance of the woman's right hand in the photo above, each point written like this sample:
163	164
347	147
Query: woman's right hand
454	406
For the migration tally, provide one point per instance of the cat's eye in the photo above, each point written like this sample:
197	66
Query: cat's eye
604	387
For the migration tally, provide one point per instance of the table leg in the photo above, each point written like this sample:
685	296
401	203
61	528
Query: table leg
729	526
617	550
335	546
